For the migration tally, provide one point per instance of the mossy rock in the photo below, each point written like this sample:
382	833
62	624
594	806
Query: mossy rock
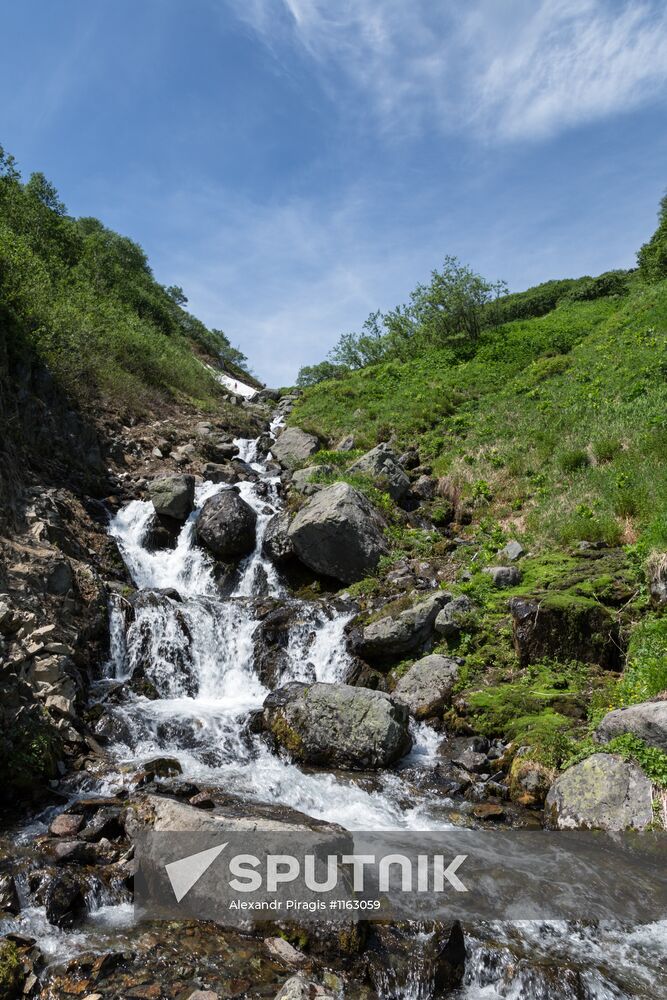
12	974
564	626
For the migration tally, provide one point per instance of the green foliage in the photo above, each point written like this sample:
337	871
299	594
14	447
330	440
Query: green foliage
652	761
313	374
652	258
82	299
573	459
11	971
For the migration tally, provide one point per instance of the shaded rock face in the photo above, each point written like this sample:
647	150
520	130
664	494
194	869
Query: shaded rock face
381	463
226	526
648	721
64	900
339	534
392	635
277	545
566	628
336	725
173	496
294	446
426	688
603	792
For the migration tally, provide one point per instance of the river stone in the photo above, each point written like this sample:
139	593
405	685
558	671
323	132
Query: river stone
337	725
64	900
294	446
173	496
339	533
426	688
603	792
226	525
647	720
381	463
298	988
393	635
277	545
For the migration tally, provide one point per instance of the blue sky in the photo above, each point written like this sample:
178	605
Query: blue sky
295	164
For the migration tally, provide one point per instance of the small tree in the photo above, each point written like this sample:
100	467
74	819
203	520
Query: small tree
652	258
313	374
451	305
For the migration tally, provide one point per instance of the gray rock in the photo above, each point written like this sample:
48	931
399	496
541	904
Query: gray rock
647	720
381	463
471	760
425	487
226	525
452	616
426	688
603	792
281	950
173	496
337	725
294	446
504	576
277	545
656	569
393	635
216	473
339	533
512	551
302	477
345	444
299	988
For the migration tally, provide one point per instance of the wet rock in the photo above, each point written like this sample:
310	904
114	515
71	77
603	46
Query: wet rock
504	576
337	725
271	641
603	792
299	988
105	823
395	634
73	852
512	551
647	721
453	617
64	900
471	760
488	811
226	525
529	782
277	545
294	446
158	767
66	825
9	897
339	534
282	951
216	473
565	627
382	464
426	688
164	814
173	496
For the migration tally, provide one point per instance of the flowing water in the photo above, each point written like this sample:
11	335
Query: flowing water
198	651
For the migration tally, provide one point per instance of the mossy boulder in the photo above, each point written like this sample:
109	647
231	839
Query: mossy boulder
603	792
337	725
426	687
563	627
529	782
647	721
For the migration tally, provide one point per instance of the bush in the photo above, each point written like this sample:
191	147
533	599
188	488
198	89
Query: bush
573	459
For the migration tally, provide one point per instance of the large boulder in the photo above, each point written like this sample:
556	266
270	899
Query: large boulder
603	792
647	720
337	725
398	632
301	478
226	525
426	688
454	616
382	464
173	496
339	533
294	446
277	545
565	627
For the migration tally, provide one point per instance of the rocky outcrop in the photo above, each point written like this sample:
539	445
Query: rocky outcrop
226	525
336	725
398	632
647	721
504	576
173	496
382	464
277	545
293	446
565	627
339	534
426	688
603	792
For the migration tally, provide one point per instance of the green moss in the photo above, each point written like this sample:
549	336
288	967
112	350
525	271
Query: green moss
30	753
286	736
11	971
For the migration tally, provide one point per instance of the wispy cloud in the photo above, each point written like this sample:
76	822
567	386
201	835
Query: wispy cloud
516	70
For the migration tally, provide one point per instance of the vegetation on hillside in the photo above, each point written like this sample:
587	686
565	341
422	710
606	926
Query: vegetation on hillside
83	300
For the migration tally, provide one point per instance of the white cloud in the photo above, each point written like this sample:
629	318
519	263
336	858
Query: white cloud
512	70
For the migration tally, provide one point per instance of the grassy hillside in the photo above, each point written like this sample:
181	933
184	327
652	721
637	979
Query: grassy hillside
82	300
555	433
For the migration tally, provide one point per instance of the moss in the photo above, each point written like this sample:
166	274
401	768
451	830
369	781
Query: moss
11	972
286	736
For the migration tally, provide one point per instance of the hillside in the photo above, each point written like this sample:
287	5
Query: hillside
553	432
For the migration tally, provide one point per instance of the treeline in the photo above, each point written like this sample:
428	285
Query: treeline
83	300
451	312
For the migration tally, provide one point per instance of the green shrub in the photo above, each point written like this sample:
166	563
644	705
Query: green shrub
573	459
